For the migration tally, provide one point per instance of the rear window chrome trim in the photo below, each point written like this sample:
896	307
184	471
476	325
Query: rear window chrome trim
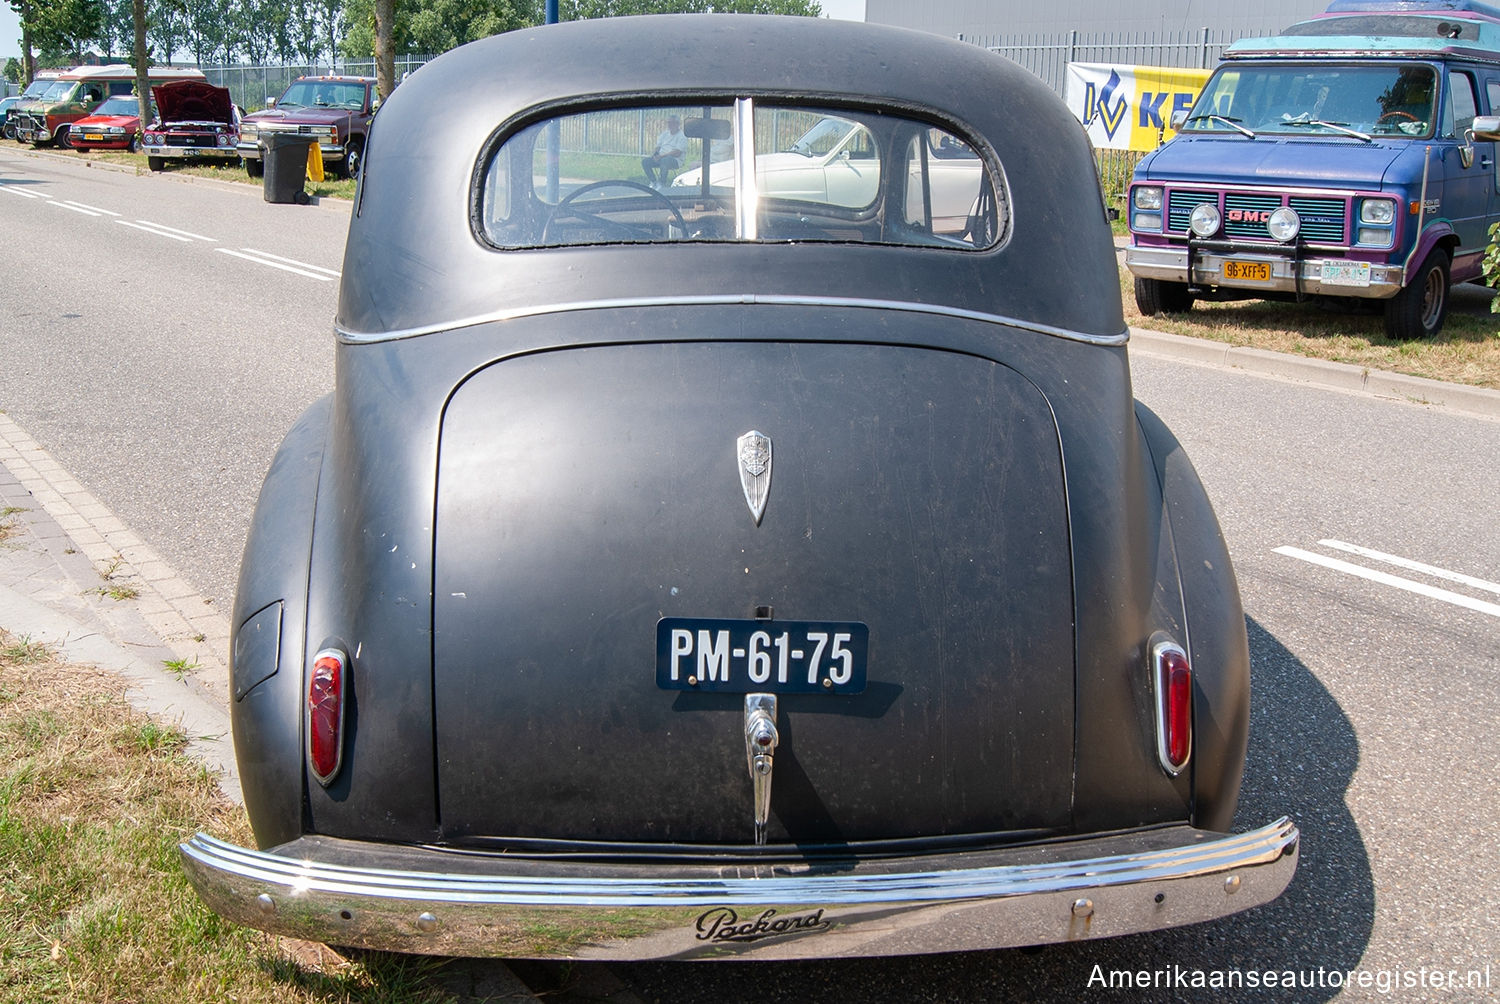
726	299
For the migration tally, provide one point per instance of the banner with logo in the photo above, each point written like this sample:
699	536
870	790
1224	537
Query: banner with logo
1128	107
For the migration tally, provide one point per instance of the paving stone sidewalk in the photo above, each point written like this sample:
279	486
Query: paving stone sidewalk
73	577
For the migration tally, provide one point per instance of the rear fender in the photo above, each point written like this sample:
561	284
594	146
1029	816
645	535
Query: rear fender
1215	621
269	629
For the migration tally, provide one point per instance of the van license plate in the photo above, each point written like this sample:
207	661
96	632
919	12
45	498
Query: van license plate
1247	271
1346	273
755	656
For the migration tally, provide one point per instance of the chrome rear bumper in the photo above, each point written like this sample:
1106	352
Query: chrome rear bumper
441	902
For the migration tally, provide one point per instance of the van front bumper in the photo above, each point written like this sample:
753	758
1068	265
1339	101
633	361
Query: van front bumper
1310	275
438	901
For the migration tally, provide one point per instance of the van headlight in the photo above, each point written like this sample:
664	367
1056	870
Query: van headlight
1147	197
1284	224
1377	211
1205	219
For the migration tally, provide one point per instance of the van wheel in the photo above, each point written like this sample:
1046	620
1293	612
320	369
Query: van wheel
63	140
1155	296
156	163
1420	309
255	167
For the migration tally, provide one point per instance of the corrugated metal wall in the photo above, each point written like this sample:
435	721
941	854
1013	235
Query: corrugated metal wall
1004	19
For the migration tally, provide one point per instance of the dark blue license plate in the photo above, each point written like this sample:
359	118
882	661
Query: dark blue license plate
761	656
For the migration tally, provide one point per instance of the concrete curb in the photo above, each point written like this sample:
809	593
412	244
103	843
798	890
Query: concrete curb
1480	401
234	187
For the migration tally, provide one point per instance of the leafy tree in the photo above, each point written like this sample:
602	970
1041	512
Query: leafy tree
166	27
116	27
58	28
13	70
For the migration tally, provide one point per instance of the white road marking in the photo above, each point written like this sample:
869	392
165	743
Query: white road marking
76	209
292	261
275	261
174	230
1395	581
85	205
13	190
151	230
1414	566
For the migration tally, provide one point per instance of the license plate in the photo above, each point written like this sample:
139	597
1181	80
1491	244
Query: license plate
754	656
1346	273
1248	271
93	136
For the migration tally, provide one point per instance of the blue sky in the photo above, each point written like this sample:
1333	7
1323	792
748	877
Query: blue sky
10	25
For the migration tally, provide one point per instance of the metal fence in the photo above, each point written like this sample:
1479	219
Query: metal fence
1048	56
253	87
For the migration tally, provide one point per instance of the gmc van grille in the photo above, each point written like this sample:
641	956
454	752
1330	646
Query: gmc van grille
1324	218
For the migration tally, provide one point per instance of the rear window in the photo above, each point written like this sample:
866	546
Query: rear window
739	171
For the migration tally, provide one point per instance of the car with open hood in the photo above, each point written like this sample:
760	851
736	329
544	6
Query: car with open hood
195	120
721	571
114	125
334	110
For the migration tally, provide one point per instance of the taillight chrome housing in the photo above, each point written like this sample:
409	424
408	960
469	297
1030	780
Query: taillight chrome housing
327	688
1172	682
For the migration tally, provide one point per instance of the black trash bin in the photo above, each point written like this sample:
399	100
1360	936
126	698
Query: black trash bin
284	156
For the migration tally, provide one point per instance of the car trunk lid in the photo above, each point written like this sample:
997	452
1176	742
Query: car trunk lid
586	494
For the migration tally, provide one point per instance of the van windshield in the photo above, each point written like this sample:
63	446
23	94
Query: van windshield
59	90
1334	100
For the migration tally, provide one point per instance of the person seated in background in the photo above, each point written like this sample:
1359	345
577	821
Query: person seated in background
667	155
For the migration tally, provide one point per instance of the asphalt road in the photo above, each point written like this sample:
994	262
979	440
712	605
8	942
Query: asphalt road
1374	717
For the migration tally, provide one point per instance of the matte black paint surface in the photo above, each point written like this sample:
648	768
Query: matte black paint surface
585	494
981	494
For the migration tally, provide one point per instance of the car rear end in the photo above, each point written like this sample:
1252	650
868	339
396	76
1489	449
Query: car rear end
667	579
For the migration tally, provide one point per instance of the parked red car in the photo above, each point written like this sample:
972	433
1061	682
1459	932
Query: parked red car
194	120
114	125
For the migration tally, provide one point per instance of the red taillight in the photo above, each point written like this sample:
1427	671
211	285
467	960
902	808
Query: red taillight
1174	705
325	714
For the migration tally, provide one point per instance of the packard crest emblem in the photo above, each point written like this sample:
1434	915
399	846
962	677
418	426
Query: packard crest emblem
754	452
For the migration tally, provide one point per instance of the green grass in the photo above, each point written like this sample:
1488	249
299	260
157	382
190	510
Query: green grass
94	798
1467	351
233	173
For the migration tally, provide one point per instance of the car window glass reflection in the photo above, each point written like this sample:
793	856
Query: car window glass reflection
670	173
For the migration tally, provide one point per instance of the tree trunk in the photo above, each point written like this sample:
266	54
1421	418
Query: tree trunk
385	49
142	62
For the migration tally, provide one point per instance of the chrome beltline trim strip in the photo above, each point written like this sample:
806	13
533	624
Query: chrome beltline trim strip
721	299
1262	846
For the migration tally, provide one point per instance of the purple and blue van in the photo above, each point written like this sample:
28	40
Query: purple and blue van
1352	156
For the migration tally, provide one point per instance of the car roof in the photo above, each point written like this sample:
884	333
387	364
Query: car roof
426	149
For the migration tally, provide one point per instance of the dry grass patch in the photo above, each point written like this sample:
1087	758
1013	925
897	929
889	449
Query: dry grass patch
94	798
1467	351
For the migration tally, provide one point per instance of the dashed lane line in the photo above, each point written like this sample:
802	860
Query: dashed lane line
1394	581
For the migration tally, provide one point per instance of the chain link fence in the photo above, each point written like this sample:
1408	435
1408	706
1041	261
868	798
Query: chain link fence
254	87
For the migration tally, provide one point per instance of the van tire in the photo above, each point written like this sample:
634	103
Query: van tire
156	163
1420	309
1156	296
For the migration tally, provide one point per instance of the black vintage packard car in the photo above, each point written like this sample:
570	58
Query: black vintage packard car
730	568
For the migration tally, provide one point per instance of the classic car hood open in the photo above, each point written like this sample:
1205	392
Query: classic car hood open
585	494
192	101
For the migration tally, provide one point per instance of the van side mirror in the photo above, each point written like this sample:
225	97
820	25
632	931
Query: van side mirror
1486	127
1179	118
